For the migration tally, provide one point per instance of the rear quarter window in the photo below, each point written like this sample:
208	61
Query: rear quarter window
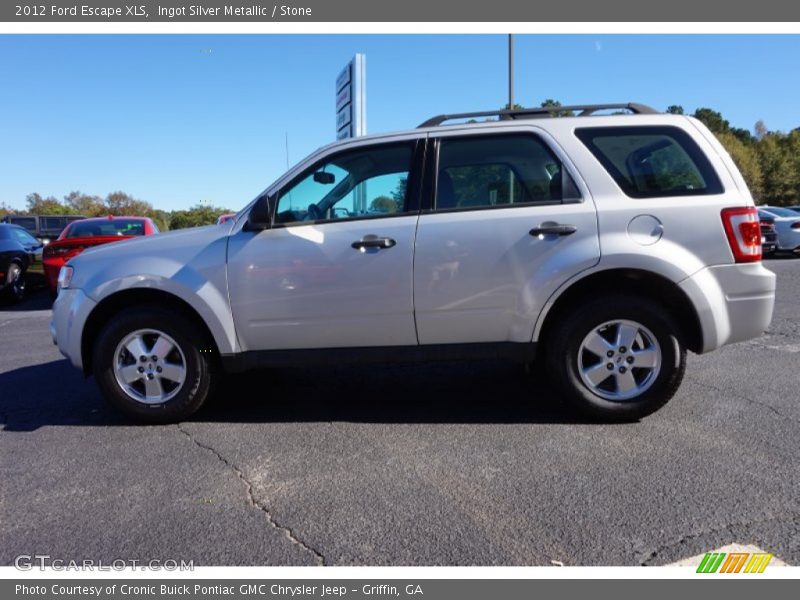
648	162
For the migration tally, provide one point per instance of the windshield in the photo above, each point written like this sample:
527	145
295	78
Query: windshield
119	227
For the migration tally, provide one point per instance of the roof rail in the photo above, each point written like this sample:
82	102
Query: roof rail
583	110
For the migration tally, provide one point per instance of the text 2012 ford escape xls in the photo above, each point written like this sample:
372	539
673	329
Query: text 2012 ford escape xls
607	244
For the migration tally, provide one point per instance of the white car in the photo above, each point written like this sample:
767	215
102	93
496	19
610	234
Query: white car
605	245
787	227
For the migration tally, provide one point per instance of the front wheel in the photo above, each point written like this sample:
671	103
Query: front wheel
152	365
617	358
15	283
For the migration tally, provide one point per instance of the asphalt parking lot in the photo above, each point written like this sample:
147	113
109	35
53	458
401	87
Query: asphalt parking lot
439	464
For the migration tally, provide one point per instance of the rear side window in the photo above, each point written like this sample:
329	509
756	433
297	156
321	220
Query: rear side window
499	170
647	162
53	223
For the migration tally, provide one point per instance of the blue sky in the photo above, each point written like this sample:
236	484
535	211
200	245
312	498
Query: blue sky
177	119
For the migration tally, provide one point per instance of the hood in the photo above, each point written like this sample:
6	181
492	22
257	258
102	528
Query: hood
150	258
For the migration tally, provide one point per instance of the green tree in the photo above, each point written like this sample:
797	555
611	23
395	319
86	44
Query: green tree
747	160
197	215
384	204
713	120
779	169
83	204
122	204
45	206
555	103
161	218
5	209
675	109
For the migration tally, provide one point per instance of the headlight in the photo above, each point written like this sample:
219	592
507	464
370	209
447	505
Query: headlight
64	278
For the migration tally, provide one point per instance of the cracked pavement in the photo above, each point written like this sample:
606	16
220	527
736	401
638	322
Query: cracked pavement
439	464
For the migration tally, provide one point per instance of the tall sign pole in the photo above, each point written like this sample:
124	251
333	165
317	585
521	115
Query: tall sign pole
351	99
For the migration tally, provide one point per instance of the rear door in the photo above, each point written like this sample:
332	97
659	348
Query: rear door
507	221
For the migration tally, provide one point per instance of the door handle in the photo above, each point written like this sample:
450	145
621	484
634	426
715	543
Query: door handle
373	241
553	229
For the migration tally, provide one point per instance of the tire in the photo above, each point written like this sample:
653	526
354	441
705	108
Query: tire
176	363
644	375
15	284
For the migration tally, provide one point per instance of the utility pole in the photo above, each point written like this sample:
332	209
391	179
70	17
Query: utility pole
511	106
510	70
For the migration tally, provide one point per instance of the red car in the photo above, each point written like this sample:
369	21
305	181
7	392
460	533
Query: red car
225	218
79	235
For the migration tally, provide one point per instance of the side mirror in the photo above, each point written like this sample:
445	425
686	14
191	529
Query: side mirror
324	178
260	216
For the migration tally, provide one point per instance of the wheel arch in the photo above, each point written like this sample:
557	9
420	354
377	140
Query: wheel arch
638	282
107	308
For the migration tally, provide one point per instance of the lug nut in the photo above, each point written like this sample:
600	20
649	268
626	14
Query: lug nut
141	369
149	375
159	369
623	349
155	358
143	358
610	366
610	353
629	359
622	369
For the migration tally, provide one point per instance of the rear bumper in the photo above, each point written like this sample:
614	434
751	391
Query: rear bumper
733	302
70	312
51	276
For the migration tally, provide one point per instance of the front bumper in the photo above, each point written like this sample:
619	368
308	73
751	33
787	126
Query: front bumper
70	312
733	302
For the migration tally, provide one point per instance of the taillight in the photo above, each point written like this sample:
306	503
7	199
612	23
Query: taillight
62	251
796	225
744	233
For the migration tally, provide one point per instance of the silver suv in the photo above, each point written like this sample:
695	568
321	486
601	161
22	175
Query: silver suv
605	245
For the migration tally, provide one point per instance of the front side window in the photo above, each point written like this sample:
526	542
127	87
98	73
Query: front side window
648	162
366	183
499	170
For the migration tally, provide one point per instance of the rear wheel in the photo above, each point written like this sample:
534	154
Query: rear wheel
152	365
617	358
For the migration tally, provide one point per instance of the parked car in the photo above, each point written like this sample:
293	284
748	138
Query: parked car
787	227
20	255
44	228
794	208
608	245
225	218
87	233
769	239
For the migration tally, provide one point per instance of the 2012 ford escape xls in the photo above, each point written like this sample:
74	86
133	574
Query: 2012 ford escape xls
607	244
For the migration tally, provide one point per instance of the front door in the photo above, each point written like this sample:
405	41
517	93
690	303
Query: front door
335	270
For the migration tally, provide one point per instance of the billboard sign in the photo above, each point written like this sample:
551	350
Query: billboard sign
351	99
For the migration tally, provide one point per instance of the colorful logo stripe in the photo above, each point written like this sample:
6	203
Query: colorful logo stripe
734	562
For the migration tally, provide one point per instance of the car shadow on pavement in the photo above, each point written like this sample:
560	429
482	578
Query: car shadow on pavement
37	299
55	393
